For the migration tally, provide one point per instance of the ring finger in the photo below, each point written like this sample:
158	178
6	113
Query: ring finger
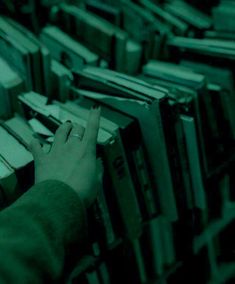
76	134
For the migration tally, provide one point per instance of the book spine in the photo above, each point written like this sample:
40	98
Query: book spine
17	60
104	273
194	161
5	108
120	52
184	165
130	138
211	116
228	103
171	129
139	261
166	190
10	189
124	189
2	197
110	236
14	92
154	254
144	181
92	277
46	71
168	242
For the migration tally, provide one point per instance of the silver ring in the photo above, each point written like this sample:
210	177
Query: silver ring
76	135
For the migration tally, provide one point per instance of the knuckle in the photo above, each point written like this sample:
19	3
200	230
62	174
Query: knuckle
61	128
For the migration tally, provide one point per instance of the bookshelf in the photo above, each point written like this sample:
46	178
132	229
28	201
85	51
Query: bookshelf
163	72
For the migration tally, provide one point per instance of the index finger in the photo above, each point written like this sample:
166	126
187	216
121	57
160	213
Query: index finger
90	136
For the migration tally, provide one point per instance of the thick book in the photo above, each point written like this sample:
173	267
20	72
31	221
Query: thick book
44	72
20	129
13	151
128	133
85	25
105	10
119	171
142	26
181	100
196	19
11	85
65	49
62	78
145	103
134	52
17	56
8	183
159	246
175	75
19	159
223	16
177	26
214	51
222	77
198	184
221	35
30	46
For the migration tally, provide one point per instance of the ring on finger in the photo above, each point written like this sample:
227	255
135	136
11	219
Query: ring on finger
76	135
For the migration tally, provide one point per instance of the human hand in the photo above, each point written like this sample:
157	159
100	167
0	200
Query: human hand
71	160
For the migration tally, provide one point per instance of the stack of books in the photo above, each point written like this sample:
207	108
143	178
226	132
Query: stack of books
163	74
223	16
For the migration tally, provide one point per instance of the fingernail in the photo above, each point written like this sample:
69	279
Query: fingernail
96	106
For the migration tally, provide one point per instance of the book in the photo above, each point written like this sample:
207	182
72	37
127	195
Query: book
118	170
104	273
223	15
45	58
168	245
105	10
92	277
125	129
195	168
133	57
221	35
222	77
152	246
62	79
13	151
186	77
11	85
182	100
18	160
32	49
17	56
178	26
20	129
85	25
8	183
144	103
160	69
216	51
140	265
66	50
189	14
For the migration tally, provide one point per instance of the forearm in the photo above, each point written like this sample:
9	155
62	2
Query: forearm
36	232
